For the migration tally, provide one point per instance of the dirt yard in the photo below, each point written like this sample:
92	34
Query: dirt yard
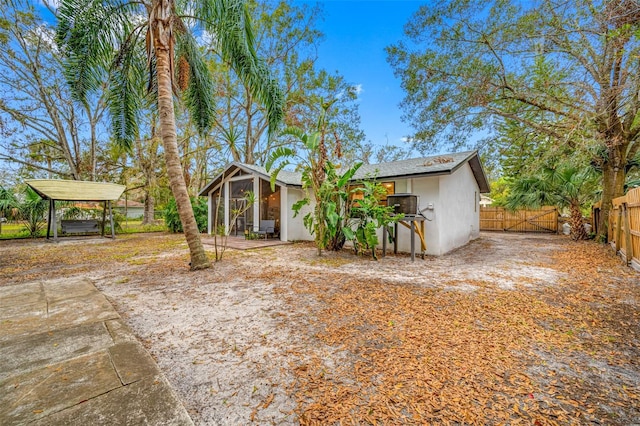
515	329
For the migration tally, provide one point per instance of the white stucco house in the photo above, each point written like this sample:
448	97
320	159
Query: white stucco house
448	187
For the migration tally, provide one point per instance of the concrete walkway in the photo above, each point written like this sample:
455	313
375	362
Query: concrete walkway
67	358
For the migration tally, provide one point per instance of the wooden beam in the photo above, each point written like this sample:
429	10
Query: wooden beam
414	228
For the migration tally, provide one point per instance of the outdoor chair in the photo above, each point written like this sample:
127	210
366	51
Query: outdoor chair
266	227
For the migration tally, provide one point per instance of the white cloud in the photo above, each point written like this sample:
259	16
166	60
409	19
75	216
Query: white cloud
53	4
44	34
356	89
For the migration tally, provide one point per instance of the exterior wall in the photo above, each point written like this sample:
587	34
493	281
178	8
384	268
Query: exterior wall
400	186
460	209
427	188
453	221
295	225
132	212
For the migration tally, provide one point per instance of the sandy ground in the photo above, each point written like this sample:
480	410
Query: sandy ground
230	339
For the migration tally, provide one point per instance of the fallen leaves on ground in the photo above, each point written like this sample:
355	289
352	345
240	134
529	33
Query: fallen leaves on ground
383	353
454	348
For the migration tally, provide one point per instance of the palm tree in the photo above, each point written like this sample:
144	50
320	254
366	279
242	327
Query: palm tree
127	42
8	202
563	186
313	162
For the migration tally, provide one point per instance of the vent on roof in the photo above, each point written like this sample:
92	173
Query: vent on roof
438	160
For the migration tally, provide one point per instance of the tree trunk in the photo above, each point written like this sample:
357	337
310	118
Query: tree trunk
612	187
149	208
199	258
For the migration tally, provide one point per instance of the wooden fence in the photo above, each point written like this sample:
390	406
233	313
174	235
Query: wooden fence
500	219
624	227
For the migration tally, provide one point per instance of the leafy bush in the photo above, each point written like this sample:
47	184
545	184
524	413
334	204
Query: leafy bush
172	218
369	216
32	210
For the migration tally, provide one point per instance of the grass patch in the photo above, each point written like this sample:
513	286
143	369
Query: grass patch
17	230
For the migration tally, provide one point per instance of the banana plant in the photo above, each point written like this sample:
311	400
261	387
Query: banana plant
320	180
367	216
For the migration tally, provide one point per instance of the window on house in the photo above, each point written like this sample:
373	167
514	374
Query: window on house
357	195
269	202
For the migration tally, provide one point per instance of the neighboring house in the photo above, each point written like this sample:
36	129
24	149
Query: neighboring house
130	208
485	200
448	187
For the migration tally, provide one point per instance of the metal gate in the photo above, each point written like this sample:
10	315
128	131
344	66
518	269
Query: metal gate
501	219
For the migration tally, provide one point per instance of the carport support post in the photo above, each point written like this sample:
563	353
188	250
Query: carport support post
53	220
49	219
113	231
104	216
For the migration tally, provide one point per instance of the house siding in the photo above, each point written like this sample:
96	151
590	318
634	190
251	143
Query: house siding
295	225
459	208
427	188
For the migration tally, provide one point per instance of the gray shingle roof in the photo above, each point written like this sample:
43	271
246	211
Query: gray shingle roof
415	167
436	164
284	176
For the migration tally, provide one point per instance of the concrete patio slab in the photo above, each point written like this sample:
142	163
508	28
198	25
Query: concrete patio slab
67	358
44	391
147	402
43	349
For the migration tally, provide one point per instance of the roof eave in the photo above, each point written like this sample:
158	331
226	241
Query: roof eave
213	184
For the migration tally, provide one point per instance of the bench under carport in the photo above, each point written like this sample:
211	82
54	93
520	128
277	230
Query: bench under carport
76	190
79	226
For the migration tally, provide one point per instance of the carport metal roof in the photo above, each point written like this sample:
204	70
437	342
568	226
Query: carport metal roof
76	190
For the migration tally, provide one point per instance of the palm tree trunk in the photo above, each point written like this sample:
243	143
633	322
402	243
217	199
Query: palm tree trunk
199	258
577	225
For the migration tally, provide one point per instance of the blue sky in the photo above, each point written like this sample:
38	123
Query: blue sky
356	33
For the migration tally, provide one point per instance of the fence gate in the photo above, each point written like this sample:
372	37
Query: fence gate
500	219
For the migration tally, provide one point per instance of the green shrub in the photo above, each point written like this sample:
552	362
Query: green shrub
172	218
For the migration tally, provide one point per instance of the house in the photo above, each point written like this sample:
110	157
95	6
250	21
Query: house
130	208
448	188
485	200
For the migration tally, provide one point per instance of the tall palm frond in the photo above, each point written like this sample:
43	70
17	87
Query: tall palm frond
103	38
199	94
229	21
97	36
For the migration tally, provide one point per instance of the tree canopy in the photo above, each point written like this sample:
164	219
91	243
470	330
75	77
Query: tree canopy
566	73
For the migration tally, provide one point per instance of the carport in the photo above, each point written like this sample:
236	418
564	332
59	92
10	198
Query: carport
76	190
